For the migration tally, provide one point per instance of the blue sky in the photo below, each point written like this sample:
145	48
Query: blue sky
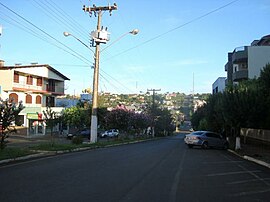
153	59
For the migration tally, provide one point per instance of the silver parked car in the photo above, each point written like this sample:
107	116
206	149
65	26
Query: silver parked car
110	133
206	139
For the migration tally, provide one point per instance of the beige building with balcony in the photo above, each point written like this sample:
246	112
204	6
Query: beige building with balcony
37	86
247	62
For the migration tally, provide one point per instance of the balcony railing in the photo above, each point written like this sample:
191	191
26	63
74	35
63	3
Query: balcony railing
50	88
240	55
240	75
27	87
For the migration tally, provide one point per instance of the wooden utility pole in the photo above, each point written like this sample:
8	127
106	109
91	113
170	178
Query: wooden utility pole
98	38
153	97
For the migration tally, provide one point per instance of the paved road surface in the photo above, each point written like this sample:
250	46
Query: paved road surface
161	170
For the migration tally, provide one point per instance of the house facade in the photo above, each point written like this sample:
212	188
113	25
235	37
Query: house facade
37	86
247	62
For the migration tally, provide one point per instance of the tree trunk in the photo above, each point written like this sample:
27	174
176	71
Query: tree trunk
2	144
237	144
52	142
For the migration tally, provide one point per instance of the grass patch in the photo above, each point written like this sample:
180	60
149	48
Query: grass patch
57	147
69	147
12	153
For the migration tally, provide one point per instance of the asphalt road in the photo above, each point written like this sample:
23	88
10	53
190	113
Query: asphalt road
160	170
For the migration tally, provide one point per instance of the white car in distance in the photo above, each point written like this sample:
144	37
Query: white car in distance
110	133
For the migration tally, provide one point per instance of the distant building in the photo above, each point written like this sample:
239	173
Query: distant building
246	62
66	102
86	97
219	85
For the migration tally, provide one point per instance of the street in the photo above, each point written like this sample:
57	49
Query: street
158	170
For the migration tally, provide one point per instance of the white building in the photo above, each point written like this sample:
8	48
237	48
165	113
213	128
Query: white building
219	85
247	62
37	86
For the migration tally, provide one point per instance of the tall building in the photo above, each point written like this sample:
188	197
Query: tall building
247	62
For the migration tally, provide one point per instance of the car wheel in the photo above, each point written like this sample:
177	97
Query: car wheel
205	145
190	146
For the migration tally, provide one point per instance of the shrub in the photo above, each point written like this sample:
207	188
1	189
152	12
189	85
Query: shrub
77	140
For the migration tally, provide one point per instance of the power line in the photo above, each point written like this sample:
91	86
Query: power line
44	38
116	88
48	35
117	81
178	27
52	11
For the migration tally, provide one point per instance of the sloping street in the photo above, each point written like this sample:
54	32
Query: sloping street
159	170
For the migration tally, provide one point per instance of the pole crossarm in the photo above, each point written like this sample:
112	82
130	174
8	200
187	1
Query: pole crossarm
99	8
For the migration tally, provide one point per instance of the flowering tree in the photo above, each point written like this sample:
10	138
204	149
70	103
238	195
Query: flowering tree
8	112
126	120
140	122
118	118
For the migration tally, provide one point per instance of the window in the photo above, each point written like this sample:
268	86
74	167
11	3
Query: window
28	99
51	85
13	97
16	77
39	81
38	99
29	80
212	135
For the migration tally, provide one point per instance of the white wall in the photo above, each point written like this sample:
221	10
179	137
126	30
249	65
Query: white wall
40	71
258	57
6	79
220	83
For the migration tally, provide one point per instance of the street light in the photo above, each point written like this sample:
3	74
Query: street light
66	34
133	32
94	121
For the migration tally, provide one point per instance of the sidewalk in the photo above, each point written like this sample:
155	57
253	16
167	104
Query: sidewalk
259	154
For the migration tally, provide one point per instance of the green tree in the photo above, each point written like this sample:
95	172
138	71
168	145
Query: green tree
51	119
77	117
102	112
240	106
214	117
8	113
197	117
162	120
264	84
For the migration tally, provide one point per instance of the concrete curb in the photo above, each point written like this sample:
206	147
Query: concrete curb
31	156
262	163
